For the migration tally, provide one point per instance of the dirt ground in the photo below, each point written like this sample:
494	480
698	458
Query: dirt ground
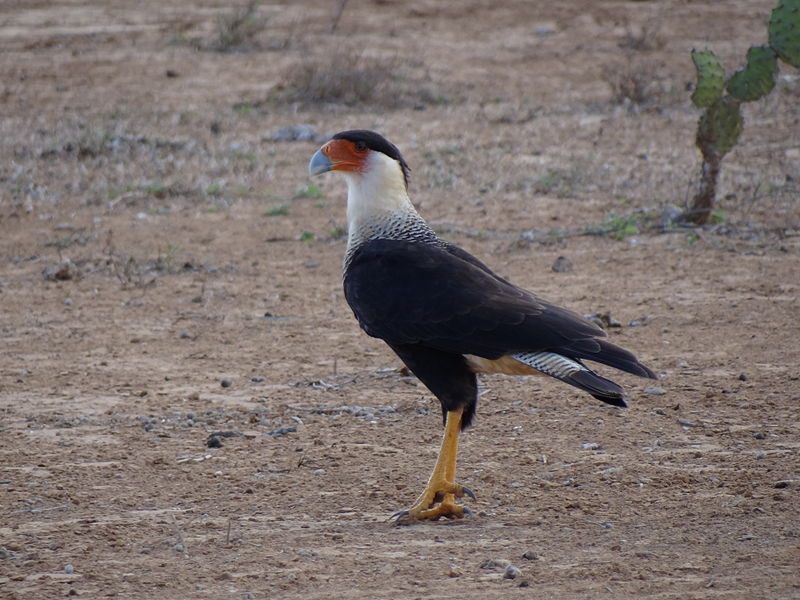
169	275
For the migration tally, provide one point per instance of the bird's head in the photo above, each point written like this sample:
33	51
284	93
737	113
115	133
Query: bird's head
359	153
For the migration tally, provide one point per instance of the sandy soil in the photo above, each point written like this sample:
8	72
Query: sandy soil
168	273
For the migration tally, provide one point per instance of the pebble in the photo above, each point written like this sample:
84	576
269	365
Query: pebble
226	383
257	379
530	555
742	376
295	133
511	572
494	563
562	265
64	271
655	390
179	548
214	441
281	431
69	569
590	446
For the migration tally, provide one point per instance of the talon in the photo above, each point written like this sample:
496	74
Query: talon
468	492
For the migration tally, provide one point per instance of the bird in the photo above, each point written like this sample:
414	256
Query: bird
447	315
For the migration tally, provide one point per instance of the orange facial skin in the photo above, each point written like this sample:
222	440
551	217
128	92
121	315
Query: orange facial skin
346	155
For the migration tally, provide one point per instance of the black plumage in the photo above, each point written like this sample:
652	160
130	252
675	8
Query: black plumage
433	302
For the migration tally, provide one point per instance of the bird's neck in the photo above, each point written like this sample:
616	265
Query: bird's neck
376	192
378	207
377	199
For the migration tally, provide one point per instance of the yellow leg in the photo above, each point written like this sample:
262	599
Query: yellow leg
438	498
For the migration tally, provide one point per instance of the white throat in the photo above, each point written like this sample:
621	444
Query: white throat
376	193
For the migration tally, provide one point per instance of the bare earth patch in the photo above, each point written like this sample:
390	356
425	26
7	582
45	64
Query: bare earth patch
188	408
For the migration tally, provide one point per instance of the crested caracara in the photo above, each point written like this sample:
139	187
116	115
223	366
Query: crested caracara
445	313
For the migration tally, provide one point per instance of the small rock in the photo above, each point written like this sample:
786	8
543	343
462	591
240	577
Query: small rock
530	555
319	471
179	547
658	411
214	441
295	133
590	446
669	215
281	431
226	383
68	302
69	569
64	271
562	265
603	320
682	364
760	435
494	563
687	423
454	571
742	376
227	434
654	390
257	379
511	572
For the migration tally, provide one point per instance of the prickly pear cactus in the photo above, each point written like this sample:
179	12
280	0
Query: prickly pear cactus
757	78
721	121
784	31
720	127
710	78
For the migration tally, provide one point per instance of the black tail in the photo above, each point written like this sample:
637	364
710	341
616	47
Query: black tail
601	388
611	355
565	364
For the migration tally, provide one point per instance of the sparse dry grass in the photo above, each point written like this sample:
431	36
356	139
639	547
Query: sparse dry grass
238	28
635	83
350	78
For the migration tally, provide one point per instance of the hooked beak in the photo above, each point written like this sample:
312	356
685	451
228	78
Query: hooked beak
319	163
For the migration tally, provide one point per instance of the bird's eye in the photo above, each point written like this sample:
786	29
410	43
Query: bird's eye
360	146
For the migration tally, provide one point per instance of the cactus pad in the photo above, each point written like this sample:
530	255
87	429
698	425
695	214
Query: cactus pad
720	126
757	78
710	78
784	31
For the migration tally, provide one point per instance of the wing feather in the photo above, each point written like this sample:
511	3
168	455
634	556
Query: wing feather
443	297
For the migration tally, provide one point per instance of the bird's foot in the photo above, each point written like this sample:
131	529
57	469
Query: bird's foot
435	502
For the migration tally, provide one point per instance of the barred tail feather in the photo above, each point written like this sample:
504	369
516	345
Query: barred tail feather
574	373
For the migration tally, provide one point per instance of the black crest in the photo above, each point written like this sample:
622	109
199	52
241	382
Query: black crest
378	143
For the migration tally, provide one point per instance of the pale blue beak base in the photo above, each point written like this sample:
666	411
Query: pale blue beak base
319	163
